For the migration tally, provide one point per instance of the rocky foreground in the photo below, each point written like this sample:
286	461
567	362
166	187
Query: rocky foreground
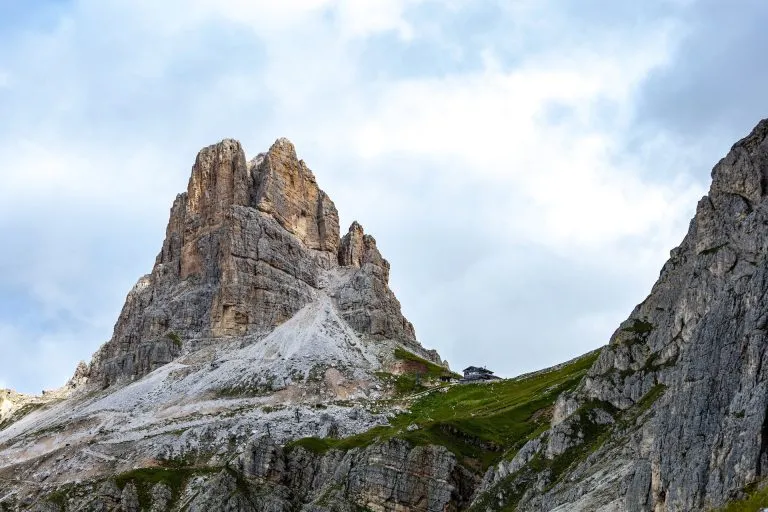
264	365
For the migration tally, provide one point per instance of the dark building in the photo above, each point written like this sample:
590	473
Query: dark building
473	373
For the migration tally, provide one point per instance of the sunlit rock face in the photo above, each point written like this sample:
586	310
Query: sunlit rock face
257	325
248	245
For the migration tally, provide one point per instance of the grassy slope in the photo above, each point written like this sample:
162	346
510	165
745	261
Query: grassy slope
480	423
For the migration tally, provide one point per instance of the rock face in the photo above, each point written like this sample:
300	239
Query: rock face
267	478
364	297
257	322
385	476
685	376
247	246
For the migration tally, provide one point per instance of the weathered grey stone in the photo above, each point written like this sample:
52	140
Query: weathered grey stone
699	341
385	476
129	498
247	246
362	294
162	498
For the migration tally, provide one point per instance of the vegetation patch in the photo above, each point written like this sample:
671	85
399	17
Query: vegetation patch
506	494
755	501
174	338
418	373
648	400
653	364
479	423
640	327
428	368
59	497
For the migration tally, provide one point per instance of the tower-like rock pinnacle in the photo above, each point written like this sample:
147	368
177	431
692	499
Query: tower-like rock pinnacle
247	246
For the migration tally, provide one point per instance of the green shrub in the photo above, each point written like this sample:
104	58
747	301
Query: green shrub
174	338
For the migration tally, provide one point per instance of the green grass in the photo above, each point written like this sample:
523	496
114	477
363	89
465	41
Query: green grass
756	500
59	497
407	383
506	494
480	423
419	376
174	338
653	364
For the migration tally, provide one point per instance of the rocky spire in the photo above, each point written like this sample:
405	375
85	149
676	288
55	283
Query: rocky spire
365	300
351	249
219	180
247	246
284	187
356	249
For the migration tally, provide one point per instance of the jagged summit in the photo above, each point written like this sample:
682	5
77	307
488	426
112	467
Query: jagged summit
247	246
257	318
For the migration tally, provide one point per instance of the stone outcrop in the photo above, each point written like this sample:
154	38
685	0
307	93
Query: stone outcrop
387	476
363	295
247	246
685	375
392	475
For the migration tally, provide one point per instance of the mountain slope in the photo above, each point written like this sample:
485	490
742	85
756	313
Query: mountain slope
257	319
428	458
673	413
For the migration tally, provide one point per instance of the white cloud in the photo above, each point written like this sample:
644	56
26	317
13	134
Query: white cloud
48	356
478	150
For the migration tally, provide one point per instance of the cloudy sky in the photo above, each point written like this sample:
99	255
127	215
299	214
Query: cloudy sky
525	165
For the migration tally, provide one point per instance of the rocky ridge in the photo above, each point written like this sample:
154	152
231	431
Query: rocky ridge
247	246
672	416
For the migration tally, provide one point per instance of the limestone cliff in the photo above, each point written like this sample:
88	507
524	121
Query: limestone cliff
247	246
672	416
390	476
257	320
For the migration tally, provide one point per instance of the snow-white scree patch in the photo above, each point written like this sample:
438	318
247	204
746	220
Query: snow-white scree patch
311	376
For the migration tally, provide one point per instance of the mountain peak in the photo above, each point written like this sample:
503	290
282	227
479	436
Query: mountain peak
742	172
218	181
247	246
285	188
356	249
